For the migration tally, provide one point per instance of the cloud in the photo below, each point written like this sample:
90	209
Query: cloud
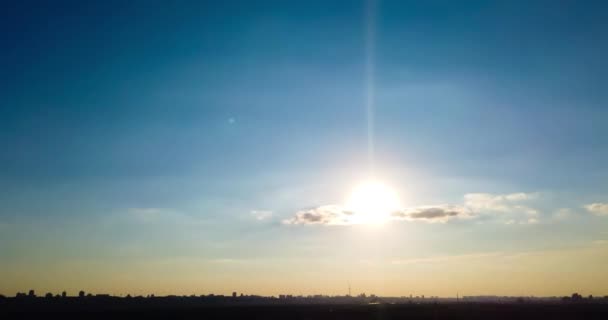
509	257
336	215
505	203
441	213
512	208
530	221
436	259
598	208
323	215
261	214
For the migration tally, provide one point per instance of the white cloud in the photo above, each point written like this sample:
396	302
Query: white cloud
598	208
520	196
531	221
506	203
512	208
261	214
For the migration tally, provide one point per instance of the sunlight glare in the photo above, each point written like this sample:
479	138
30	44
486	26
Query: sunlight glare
372	203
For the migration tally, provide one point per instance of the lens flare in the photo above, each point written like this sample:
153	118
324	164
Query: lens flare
372	203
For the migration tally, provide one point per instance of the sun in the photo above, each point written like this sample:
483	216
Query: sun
372	202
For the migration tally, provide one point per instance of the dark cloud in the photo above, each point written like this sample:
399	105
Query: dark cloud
323	215
337	215
441	213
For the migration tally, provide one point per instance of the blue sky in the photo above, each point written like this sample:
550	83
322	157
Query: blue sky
156	133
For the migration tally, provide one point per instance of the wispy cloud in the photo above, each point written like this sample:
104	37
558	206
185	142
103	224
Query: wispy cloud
261	214
468	257
436	259
506	203
511	208
598	208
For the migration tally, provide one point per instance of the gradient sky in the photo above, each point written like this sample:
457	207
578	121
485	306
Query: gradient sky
175	147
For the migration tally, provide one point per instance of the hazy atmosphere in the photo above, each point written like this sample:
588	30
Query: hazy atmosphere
302	147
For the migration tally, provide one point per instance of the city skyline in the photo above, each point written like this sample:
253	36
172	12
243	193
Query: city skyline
346	298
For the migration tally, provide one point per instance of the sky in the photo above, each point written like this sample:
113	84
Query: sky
195	147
